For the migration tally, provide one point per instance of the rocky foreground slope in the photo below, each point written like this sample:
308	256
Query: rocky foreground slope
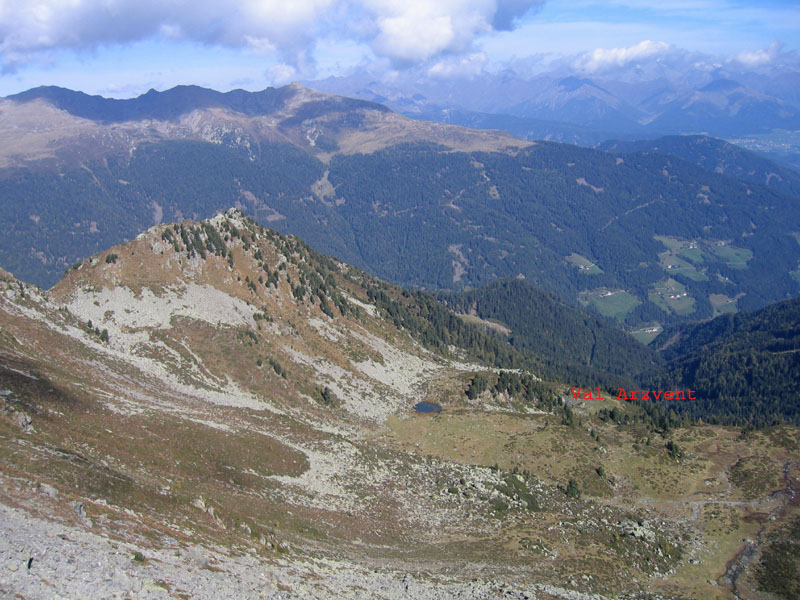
216	410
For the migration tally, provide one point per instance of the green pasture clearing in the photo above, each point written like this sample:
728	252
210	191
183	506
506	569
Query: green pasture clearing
682	255
647	334
670	242
493	325
675	265
689	249
615	304
735	258
583	264
671	295
722	304
692	253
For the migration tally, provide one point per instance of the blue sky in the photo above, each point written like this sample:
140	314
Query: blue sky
123	47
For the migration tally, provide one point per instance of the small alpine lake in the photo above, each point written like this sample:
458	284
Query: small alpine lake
427	407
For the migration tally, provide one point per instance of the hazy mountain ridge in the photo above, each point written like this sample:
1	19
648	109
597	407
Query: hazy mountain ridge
168	105
716	156
721	102
524	128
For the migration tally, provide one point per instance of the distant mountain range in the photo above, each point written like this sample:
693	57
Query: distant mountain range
714	104
640	237
716	156
522	127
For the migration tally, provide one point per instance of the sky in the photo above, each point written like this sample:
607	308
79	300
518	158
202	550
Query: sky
122	48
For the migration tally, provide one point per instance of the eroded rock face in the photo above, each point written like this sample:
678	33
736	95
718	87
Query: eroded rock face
637	530
23	420
49	491
11	408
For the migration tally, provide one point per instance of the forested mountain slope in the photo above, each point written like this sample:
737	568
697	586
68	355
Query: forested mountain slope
578	347
582	223
745	367
717	156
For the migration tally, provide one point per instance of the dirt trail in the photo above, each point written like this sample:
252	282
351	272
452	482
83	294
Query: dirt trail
737	566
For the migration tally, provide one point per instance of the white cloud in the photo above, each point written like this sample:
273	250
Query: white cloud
259	45
31	26
458	66
602	59
401	30
760	57
281	74
415	37
416	30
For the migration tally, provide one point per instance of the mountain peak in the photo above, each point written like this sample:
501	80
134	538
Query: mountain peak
296	85
215	251
573	83
157	105
721	85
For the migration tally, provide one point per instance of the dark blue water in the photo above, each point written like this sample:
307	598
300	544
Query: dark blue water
427	407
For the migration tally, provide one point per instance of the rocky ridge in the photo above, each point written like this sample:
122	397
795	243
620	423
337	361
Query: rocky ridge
43	126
